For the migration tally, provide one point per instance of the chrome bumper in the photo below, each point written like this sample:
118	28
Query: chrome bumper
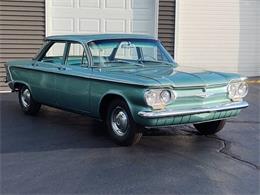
167	113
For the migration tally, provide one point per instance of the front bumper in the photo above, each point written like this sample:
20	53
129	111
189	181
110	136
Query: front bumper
193	111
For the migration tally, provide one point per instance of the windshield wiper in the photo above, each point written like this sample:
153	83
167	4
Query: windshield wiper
117	61
124	61
159	62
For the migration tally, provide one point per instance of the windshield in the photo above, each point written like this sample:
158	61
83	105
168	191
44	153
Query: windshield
128	51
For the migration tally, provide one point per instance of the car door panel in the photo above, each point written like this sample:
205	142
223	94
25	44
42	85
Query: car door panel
72	84
43	79
73	89
44	72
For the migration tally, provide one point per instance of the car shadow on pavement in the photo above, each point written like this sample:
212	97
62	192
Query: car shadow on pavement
51	129
54	129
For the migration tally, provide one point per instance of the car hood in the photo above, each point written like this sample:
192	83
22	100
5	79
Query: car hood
181	76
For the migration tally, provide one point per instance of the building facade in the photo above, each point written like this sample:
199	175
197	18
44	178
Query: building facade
220	35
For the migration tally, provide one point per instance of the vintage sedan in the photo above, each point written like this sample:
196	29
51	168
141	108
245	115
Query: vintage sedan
127	81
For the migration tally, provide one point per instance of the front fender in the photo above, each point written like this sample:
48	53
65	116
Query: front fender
17	77
133	95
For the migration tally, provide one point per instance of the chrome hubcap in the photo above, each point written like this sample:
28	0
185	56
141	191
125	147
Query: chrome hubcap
119	121
26	98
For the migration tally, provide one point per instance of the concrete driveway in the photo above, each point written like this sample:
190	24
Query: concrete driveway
61	152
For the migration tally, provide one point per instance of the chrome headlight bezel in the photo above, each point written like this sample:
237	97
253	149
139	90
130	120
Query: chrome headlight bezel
237	90
159	98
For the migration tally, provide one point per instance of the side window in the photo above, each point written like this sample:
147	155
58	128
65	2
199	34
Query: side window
55	53
77	55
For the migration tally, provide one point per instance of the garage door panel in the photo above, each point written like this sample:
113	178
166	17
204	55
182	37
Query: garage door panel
62	3
101	16
89	3
63	24
142	26
143	4
115	4
114	26
142	14
89	25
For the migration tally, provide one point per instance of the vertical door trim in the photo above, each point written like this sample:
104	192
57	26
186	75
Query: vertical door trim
156	18
48	21
176	34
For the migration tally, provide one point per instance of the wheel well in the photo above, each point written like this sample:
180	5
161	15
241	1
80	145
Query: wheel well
18	86
105	103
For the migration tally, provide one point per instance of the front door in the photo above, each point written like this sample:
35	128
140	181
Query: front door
72	84
43	74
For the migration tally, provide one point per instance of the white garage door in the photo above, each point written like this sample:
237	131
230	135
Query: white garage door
222	35
101	16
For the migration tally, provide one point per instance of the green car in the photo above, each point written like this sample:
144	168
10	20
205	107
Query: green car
128	81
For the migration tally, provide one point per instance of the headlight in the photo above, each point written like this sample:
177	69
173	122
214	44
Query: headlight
165	96
158	98
150	97
242	89
232	90
237	90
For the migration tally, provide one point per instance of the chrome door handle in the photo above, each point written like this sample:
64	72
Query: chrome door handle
61	68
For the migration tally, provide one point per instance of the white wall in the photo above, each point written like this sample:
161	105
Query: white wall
220	35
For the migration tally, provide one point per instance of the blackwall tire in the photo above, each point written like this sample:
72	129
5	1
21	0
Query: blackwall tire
120	124
28	104
210	128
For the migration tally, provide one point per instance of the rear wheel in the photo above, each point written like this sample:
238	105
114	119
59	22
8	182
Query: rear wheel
210	128
27	103
121	126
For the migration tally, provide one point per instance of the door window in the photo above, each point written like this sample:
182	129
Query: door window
54	53
77	55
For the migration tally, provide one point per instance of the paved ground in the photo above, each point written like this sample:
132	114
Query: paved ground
60	152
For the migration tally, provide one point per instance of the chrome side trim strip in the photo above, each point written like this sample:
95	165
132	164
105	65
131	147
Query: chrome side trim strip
166	113
91	77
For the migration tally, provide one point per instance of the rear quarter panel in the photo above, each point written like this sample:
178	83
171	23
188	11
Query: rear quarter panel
19	71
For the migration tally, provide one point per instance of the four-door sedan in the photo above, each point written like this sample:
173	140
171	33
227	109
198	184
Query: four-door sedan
127	81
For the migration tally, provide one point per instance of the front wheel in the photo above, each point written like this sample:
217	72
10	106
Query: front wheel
27	103
210	128
121	126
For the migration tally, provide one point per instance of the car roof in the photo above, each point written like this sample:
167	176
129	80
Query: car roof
94	37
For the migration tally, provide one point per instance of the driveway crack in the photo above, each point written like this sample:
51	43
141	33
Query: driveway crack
224	149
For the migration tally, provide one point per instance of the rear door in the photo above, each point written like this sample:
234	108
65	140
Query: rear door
43	75
72	84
